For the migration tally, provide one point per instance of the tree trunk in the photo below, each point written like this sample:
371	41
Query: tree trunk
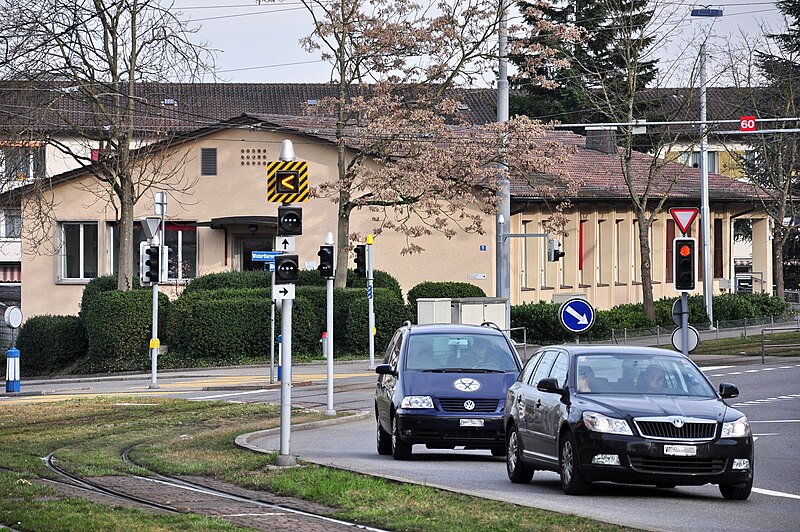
647	268
125	230
777	267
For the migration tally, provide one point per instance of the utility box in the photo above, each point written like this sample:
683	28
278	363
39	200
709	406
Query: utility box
433	310
476	310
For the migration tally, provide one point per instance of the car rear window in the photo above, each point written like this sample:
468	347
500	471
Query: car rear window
465	351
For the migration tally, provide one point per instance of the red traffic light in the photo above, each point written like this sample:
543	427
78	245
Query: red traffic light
685	250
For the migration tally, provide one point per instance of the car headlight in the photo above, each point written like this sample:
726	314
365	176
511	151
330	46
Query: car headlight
609	425
736	429
416	401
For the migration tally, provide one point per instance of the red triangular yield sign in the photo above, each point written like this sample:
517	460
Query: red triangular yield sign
684	216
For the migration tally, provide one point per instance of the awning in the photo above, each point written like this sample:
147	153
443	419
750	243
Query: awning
11	274
225	221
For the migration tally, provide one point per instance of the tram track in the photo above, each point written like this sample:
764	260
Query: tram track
163	493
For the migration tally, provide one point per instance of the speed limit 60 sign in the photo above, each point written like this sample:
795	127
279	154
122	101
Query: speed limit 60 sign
747	123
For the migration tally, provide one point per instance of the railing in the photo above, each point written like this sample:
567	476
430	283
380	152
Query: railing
772	330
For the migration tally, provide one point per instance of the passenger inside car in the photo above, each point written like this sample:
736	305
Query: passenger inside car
585	378
652	379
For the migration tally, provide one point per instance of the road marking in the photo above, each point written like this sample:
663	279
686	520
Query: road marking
714	368
776	493
220	395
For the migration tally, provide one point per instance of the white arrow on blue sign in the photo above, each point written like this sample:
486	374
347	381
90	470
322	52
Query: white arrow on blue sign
576	315
264	256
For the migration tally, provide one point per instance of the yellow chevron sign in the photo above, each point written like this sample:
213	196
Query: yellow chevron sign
287	181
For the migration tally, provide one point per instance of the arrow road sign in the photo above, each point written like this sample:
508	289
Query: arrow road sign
576	315
285	243
283	291
684	216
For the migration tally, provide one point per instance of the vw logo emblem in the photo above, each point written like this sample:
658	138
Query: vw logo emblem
678	422
469	405
466	385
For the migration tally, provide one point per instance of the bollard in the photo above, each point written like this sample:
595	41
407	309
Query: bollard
12	370
280	352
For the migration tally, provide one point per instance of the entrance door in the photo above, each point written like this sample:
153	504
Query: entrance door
250	244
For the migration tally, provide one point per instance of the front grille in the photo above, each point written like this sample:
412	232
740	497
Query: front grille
679	465
691	430
457	405
470	434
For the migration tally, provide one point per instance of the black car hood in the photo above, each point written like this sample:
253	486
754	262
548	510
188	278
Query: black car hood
442	384
656	405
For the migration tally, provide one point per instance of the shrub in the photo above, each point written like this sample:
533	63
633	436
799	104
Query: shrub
217	281
48	344
105	283
118	329
389	315
380	279
449	289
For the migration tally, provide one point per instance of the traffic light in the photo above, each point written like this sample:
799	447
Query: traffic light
685	264
286	269
554	252
361	260
150	264
290	221
325	261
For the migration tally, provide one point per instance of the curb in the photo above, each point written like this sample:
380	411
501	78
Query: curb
244	440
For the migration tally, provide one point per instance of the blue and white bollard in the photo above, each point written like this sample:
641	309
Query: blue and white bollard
280	351
12	370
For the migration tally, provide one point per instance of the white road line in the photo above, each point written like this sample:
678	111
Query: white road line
220	395
769	369
752	371
735	373
776	493
714	368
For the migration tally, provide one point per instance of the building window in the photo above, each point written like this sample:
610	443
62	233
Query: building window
600	252
636	253
670	249
693	159
21	163
79	250
581	249
618	251
181	238
12	225
718	273
208	161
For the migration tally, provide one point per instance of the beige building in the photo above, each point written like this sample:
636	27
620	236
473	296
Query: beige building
218	214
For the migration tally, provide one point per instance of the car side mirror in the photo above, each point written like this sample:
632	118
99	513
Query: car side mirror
385	369
548	385
728	391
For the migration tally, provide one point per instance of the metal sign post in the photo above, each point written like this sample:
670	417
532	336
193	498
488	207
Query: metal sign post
155	344
370	301
329	337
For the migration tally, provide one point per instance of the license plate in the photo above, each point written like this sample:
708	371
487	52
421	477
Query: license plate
471	422
680	450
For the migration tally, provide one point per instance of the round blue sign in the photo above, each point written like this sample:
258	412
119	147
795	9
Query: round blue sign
576	315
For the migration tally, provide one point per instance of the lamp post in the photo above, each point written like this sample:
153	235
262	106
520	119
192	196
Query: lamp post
705	211
503	252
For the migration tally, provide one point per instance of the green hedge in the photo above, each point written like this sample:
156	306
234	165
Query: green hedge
98	285
118	328
443	289
48	344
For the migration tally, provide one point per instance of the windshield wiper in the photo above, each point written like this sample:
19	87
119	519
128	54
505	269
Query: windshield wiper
462	370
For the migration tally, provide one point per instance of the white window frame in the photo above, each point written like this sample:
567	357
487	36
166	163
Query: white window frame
62	276
3	226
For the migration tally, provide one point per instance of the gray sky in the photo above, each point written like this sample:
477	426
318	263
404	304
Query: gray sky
259	43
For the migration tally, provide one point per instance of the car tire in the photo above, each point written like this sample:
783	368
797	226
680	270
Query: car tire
736	492
400	449
384	441
572	481
500	450
518	471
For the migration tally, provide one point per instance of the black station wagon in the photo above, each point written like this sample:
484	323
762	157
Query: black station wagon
625	414
444	386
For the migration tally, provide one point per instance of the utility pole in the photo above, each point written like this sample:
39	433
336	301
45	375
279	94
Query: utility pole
503	252
705	211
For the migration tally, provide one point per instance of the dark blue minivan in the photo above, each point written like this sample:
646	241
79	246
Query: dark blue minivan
444	386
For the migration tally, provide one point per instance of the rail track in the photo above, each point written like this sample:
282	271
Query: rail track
165	494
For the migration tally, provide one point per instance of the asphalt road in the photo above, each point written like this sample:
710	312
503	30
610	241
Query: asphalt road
770	396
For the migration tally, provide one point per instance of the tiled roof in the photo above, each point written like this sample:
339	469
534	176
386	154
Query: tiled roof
180	107
601	174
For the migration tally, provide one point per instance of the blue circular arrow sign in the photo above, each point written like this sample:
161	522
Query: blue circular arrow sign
576	315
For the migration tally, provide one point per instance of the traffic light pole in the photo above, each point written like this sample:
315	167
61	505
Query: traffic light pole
154	342
685	323
284	457
329	337
370	301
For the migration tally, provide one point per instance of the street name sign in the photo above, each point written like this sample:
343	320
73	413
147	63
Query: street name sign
264	256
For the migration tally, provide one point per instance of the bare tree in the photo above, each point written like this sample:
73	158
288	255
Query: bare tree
97	54
616	79
398	66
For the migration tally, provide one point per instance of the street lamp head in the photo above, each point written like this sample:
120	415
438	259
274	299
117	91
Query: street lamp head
706	11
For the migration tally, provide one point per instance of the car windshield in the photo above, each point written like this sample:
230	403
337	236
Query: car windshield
639	374
457	352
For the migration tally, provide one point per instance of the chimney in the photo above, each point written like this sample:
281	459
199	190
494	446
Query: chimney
601	138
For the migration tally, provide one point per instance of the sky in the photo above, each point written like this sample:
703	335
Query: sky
260	43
